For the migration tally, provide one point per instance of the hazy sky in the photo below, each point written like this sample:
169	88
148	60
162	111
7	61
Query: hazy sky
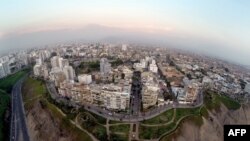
224	22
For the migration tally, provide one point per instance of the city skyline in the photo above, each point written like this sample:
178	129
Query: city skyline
218	28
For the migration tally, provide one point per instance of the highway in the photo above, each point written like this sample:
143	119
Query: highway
18	128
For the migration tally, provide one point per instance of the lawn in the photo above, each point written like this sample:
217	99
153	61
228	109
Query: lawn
155	132
118	137
162	118
183	112
99	119
120	128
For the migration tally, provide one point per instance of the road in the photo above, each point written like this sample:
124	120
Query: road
135	98
18	128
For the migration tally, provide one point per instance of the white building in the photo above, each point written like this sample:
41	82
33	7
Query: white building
2	72
247	88
63	62
113	97
85	79
105	66
55	62
69	72
153	67
124	47
37	70
39	61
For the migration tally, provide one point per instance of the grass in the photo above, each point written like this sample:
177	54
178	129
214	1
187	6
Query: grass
33	88
96	129
7	83
65	123
99	119
204	112
115	122
213	100
120	128
35	91
91	124
162	118
155	132
229	103
118	137
4	102
183	112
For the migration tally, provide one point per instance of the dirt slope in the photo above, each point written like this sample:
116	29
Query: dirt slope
212	128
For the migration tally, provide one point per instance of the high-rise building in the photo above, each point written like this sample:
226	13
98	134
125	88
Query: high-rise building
124	47
149	96
69	72
63	62
37	70
105	66
6	67
2	72
247	88
153	67
55	62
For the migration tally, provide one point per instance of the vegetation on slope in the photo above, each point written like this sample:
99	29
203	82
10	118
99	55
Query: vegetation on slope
212	101
35	91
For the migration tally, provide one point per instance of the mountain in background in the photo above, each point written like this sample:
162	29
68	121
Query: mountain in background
98	33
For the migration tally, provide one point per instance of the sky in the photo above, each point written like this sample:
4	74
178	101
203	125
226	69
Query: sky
216	27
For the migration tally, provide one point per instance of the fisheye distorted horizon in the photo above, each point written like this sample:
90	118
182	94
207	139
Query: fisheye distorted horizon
218	28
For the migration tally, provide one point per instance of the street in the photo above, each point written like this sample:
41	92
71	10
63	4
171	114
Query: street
135	98
18	120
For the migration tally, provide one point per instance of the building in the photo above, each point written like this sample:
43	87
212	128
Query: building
41	71
37	70
55	62
124	47
111	96
105	66
79	93
2	71
153	67
69	72
85	79
63	63
57	75
247	88
192	91
149	95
